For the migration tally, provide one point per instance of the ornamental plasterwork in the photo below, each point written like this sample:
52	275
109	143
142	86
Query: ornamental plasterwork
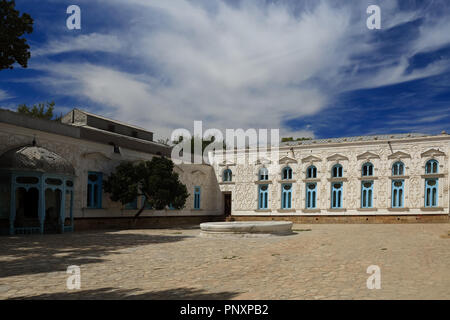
399	155
432	153
337	157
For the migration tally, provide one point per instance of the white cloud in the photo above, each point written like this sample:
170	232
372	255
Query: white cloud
4	95
242	66
87	42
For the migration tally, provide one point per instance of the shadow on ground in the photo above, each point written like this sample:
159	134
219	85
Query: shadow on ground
134	294
50	253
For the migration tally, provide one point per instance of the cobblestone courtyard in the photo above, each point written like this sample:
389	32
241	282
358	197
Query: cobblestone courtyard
318	262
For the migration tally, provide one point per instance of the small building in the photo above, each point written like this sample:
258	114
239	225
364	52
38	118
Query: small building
51	175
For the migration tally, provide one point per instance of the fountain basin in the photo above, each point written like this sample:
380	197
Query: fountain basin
246	228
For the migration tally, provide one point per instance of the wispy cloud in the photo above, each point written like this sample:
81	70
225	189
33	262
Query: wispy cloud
247	65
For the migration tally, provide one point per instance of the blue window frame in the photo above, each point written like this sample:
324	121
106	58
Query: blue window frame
398	193
432	167
148	206
197	193
263	174
263	196
131	205
398	169
311	172
367	194
227	175
286	196
311	195
337	171
336	195
286	173
367	170
94	190
431	193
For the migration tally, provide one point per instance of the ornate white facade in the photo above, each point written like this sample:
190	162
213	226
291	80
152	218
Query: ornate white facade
414	151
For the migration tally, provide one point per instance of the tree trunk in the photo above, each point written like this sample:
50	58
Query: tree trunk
140	211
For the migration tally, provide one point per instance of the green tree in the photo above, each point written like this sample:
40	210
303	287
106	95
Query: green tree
13	48
291	139
155	180
41	111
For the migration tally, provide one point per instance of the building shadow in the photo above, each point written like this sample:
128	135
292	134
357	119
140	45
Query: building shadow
134	294
51	253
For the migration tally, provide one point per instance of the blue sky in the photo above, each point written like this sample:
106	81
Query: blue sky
310	68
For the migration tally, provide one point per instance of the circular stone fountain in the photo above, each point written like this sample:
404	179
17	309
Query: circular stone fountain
246	228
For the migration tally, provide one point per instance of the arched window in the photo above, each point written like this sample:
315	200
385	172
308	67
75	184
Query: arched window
311	195
263	174
263	197
336	195
431	193
286	196
311	172
432	167
398	193
367	194
286	173
337	171
197	193
227	175
398	169
367	170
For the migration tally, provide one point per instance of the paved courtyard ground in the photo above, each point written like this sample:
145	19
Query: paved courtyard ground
318	262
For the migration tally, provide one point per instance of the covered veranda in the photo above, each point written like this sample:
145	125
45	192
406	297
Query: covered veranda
36	191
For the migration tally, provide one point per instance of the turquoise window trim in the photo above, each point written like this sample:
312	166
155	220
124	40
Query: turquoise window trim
367	194
311	172
286	196
432	167
398	169
367	169
311	196
398	194
263	174
431	193
337	190
227	175
133	205
263	197
286	173
337	171
197	198
148	206
95	191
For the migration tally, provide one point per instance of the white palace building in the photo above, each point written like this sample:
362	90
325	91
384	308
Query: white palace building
51	177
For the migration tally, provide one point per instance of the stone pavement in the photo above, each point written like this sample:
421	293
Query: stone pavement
318	262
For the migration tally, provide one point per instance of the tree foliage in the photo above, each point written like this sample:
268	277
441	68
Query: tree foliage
155	180
41	111
13	48
291	139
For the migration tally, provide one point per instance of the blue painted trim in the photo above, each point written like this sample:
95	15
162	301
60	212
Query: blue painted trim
398	194
286	196
311	196
366	195
197	198
337	195
263	197
431	194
